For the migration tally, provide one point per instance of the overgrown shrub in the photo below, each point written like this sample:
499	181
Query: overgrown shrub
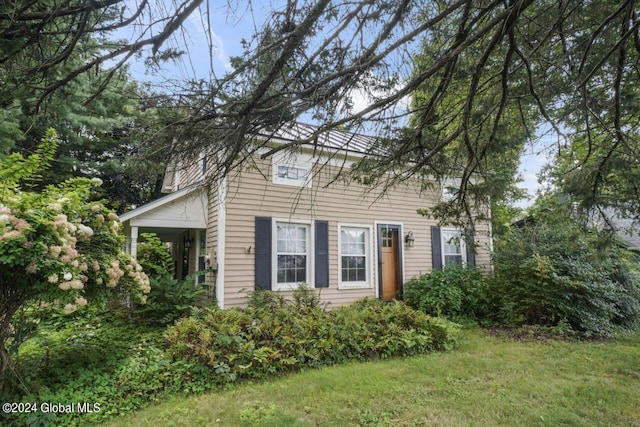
99	358
154	256
169	299
60	248
556	271
454	291
278	336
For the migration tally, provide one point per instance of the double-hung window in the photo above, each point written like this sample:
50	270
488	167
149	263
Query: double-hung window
289	252
354	256
449	246
453	247
292	254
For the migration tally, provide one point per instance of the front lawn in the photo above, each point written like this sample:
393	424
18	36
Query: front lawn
487	381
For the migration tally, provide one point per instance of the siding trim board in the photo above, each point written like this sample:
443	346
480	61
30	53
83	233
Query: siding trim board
222	241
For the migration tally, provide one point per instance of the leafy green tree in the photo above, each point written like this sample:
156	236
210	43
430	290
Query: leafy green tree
101	135
63	65
59	248
37	37
553	270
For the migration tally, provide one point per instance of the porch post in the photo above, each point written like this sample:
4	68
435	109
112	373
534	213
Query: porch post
134	241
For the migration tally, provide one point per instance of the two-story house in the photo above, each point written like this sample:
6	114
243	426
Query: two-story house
287	220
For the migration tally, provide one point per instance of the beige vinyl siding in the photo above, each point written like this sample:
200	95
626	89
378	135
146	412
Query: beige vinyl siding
251	194
191	171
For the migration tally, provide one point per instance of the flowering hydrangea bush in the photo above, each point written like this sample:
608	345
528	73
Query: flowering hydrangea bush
62	248
57	247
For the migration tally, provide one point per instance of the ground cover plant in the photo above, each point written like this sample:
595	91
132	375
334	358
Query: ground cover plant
489	380
122	364
96	357
273	336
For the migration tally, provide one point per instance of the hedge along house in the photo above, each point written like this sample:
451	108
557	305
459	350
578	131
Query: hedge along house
289	219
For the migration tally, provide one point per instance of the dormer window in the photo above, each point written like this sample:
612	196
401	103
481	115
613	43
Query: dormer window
290	172
290	169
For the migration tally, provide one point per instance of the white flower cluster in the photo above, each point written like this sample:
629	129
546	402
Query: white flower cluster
11	227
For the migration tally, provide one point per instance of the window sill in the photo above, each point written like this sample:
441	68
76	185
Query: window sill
289	287
353	285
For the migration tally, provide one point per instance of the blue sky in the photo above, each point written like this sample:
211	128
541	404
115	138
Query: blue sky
535	157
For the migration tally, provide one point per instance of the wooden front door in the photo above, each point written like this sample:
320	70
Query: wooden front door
389	250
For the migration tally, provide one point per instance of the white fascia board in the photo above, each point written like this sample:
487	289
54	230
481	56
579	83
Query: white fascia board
159	202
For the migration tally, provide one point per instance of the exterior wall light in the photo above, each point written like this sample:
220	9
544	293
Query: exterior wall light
409	240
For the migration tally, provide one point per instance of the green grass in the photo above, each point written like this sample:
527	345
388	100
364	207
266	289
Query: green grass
487	381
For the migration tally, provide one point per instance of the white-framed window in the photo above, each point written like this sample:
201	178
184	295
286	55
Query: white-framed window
292	169
292	257
449	189
354	256
453	247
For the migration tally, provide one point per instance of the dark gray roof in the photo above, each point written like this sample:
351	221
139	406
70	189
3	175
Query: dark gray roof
311	135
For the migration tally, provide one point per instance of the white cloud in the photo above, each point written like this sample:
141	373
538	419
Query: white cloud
220	53
203	38
370	91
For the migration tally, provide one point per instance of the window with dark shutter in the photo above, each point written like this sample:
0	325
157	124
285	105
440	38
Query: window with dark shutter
322	254
471	255
263	253
436	248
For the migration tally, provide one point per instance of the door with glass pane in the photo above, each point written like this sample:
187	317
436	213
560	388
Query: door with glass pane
389	264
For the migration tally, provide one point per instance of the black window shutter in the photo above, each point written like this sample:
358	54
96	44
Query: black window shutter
471	254
322	254
436	248
263	253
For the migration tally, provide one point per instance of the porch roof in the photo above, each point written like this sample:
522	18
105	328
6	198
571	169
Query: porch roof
185	208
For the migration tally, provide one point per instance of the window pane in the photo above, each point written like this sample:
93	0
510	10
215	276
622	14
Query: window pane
452	259
353	242
290	172
291	239
451	243
291	268
354	269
